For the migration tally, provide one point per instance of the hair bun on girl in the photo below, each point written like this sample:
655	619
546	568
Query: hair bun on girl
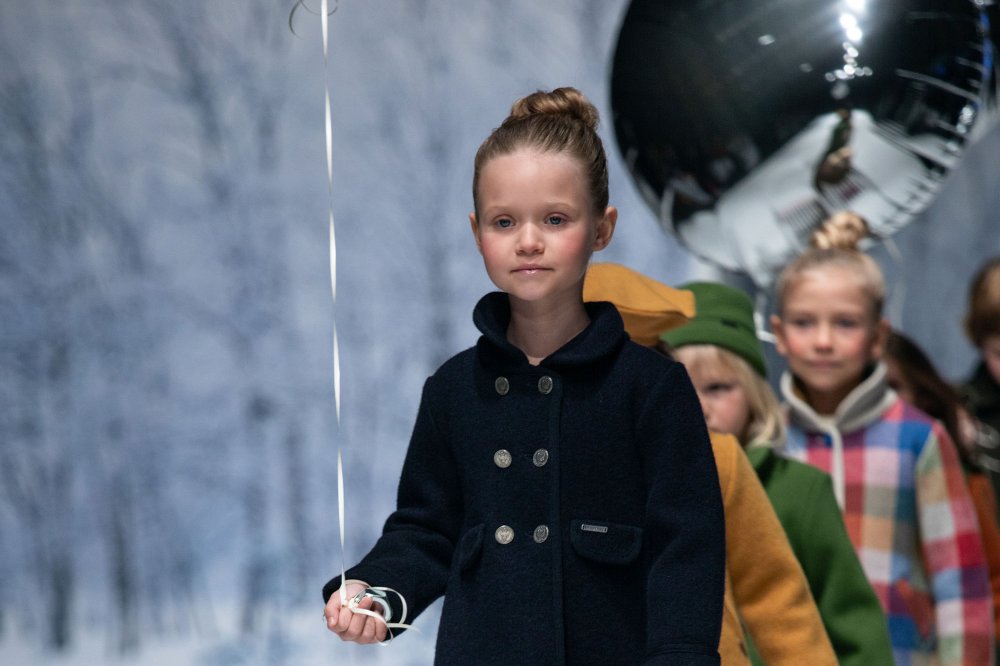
560	101
843	230
559	121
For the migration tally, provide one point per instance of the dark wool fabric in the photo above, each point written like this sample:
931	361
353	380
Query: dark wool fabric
982	396
632	568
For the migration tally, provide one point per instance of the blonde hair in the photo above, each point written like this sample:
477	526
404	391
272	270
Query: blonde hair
560	121
983	317
765	427
835	244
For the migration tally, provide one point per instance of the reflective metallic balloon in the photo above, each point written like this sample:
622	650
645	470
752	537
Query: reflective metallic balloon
746	123
989	117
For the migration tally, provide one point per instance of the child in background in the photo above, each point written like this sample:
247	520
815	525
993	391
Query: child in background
896	473
559	488
766	590
722	354
912	374
981	391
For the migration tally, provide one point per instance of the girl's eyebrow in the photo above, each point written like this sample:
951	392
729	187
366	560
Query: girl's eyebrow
495	210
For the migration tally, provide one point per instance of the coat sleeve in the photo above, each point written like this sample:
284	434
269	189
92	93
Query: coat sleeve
771	592
684	533
985	501
847	602
953	551
413	555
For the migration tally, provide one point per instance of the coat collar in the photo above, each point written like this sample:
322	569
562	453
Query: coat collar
865	404
603	337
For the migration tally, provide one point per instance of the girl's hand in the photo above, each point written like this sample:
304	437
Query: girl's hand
351	626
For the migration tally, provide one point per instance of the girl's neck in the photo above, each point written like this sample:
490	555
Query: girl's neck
539	330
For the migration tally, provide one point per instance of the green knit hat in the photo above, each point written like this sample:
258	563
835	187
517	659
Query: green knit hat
724	318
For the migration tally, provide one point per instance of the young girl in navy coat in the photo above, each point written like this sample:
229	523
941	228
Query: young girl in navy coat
559	488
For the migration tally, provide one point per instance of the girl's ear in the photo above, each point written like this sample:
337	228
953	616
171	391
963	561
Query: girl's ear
606	228
779	335
475	230
882	330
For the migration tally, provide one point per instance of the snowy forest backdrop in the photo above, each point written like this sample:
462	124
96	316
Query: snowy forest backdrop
167	425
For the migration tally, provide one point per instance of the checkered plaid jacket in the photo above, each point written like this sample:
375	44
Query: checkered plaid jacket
908	512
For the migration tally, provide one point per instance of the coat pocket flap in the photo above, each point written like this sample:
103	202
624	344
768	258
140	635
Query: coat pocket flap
608	543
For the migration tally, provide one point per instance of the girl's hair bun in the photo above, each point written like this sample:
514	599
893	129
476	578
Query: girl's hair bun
836	245
843	230
557	121
560	101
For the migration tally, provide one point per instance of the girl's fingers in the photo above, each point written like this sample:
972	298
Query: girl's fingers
369	633
356	627
332	612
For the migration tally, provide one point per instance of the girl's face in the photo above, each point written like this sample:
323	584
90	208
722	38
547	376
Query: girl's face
829	334
536	227
723	399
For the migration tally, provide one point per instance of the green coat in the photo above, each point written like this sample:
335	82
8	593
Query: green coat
803	498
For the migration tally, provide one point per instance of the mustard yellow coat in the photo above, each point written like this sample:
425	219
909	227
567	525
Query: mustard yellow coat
765	585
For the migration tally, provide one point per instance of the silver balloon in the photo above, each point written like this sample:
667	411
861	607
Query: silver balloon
989	117
746	123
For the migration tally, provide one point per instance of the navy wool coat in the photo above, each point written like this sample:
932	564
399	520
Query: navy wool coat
569	512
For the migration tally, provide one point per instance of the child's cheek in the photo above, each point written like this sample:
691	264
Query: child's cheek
795	347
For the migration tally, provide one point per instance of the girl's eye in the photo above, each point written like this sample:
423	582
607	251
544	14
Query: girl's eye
719	387
555	220
847	323
504	223
800	322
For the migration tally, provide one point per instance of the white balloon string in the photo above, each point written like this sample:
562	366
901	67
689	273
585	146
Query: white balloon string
328	126
340	518
336	375
329	144
325	24
352	604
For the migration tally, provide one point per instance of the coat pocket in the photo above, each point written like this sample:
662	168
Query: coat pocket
608	543
470	547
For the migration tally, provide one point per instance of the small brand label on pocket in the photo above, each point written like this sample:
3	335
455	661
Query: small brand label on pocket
603	529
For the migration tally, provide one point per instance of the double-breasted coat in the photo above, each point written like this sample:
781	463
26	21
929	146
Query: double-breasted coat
569	512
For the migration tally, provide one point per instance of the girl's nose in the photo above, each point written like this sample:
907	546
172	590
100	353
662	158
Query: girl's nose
529	240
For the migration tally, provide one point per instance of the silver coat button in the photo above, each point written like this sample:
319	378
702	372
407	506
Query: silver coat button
502	458
541	533
540	458
502	385
545	385
504	534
